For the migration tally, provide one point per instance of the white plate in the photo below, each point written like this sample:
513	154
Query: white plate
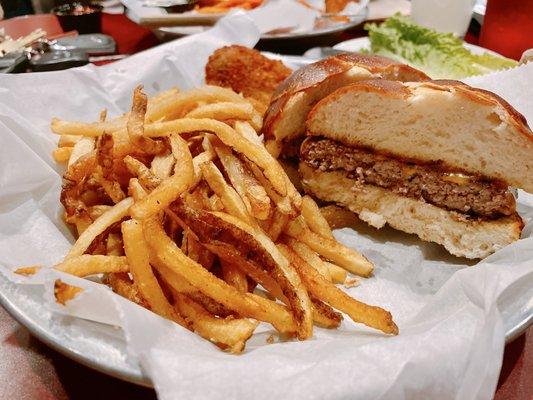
354	20
104	349
356	45
101	346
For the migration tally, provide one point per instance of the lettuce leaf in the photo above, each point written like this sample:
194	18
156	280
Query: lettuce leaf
440	55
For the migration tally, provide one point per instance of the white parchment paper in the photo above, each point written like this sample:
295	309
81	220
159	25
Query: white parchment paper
451	329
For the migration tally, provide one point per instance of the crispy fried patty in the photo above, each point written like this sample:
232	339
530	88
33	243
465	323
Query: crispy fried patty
432	183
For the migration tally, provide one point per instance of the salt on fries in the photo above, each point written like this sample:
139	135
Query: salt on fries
181	208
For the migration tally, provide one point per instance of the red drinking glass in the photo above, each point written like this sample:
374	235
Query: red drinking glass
508	27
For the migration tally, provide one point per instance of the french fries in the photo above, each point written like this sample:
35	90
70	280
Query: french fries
171	187
78	128
330	249
314	219
113	215
84	146
210	215
86	265
162	166
229	137
228	196
68	140
177	106
223	111
283	203
246	130
324	315
234	276
178	284
135	125
260	251
337	274
197	163
146	178
173	258
121	284
137	253
229	333
249	189
62	154
372	316
309	256
338	217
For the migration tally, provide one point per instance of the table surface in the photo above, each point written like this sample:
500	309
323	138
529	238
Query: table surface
31	370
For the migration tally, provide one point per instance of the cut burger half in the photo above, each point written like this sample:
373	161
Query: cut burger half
284	123
434	158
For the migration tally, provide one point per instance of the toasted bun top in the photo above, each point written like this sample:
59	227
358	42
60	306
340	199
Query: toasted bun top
465	128
294	98
317	72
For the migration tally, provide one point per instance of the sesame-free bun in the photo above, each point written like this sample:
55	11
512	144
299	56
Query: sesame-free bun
460	235
293	99
464	128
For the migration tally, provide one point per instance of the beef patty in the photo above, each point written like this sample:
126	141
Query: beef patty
433	183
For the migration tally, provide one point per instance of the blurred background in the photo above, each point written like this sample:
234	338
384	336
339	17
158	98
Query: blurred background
57	34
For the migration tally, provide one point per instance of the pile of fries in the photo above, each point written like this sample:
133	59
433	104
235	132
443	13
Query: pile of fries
182	210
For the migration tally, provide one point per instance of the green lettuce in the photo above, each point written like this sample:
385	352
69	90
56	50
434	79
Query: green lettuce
440	55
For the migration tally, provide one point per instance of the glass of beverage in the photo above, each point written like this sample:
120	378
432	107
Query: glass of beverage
443	15
508	27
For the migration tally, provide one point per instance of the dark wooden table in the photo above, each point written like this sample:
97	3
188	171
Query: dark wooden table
31	370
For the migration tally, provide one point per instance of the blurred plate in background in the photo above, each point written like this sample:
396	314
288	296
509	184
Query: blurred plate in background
324	27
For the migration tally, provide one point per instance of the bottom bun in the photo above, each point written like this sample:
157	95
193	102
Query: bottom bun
460	235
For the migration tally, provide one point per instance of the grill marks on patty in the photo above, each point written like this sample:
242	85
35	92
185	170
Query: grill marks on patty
429	182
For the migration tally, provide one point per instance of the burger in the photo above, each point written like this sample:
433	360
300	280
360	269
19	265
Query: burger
438	159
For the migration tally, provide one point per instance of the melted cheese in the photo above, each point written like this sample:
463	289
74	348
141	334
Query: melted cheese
457	178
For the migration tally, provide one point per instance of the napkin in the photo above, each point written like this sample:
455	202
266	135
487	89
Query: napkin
448	310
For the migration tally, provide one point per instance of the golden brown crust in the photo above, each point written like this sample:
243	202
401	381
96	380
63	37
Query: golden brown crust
310	75
272	115
393	89
245	71
316	73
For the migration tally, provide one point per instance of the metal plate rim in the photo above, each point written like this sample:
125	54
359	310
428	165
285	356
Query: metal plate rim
48	338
